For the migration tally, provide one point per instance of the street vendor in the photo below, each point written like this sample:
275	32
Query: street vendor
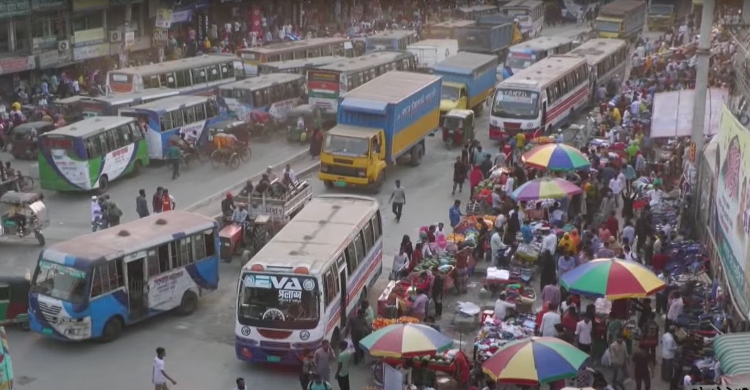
462	270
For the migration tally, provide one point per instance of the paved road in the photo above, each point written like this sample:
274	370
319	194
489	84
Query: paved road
200	353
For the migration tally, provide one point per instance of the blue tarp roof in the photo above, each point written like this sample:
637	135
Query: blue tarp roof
367	106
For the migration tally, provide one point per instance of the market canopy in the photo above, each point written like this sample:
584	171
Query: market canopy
534	361
733	352
612	278
545	188
673	112
405	340
556	157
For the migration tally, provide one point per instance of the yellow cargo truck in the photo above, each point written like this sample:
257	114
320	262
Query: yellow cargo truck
623	19
468	79
663	14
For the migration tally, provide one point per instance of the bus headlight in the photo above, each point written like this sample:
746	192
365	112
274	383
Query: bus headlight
495	122
362	173
304	335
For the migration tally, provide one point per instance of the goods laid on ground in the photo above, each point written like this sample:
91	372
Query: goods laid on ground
495	334
379	323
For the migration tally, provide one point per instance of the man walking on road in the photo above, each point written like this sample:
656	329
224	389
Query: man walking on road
141	204
158	377
398	200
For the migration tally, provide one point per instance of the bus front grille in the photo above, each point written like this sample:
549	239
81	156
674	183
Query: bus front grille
50	312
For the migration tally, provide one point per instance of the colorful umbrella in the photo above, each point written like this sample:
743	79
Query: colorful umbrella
535	361
405	340
545	188
612	278
556	157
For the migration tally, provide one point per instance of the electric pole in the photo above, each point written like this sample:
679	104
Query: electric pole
702	66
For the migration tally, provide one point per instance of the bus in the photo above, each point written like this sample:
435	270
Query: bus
92	286
296	66
606	57
540	98
294	50
528	13
191	76
522	55
472	13
303	285
173	117
390	40
275	94
110	105
91	153
444	30
326	84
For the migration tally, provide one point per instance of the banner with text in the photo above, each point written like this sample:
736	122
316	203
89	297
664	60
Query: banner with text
732	212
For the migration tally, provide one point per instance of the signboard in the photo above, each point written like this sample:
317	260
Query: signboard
163	18
93	51
48	59
88	37
17	64
129	38
84	5
732	230
12	8
44	43
160	36
45	5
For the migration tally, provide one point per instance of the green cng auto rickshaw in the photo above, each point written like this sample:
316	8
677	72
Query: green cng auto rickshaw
458	127
23	214
301	120
24	138
14	300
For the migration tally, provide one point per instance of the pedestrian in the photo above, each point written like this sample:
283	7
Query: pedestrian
455	214
643	368
323	357
583	331
240	384
156	200
459	175
398	200
174	155
549	320
167	201
308	368
158	376
668	349
141	204
114	214
96	214
359	330
618	355
438	284
675	308
316	142
650	336
344	364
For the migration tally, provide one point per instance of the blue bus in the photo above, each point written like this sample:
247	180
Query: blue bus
94	285
390	40
275	94
172	117
110	105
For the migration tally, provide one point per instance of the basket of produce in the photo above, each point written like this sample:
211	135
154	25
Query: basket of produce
380	323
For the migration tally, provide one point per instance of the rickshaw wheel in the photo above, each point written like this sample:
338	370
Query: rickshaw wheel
234	161
25	326
40	238
216	158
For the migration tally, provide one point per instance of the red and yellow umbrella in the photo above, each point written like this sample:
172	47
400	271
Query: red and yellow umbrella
405	340
612	278
556	157
535	361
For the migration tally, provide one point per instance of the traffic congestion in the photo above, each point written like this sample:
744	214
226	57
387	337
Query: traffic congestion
250	213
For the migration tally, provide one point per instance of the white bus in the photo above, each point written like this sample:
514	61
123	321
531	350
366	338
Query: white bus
540	98
191	76
290	295
606	58
522	55
528	13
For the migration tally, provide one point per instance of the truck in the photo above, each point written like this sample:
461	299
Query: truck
487	38
662	14
623	19
432	51
383	122
281	205
468	79
444	30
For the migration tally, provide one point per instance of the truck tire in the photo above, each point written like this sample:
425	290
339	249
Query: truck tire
416	154
377	185
328	183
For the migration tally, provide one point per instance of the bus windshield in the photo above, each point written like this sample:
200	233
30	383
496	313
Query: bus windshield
519	60
382	43
607	26
60	282
516	104
279	301
348	146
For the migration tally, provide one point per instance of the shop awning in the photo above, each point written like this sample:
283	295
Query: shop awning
673	112
733	352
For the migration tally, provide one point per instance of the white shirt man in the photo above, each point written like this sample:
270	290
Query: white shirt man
96	210
549	243
615	186
655	195
675	309
509	183
668	346
500	221
549	320
501	307
497	245
583	331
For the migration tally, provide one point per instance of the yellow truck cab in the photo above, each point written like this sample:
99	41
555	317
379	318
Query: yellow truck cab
468	79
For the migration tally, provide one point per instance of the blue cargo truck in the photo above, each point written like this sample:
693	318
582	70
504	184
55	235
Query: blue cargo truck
380	123
468	79
490	36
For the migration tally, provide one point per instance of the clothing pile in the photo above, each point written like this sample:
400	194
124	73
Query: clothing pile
495	334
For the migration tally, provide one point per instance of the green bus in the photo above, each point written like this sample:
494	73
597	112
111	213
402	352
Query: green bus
89	154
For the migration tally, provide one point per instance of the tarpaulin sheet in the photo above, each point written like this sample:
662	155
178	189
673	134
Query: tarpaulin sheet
733	352
673	112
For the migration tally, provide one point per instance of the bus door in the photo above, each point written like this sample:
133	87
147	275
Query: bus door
137	294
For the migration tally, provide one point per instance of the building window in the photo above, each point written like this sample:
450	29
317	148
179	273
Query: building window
87	21
46	30
5	36
22	35
116	18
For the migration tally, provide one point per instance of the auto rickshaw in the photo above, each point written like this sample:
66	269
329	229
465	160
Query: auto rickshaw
301	120
458	127
239	129
14	300
24	138
70	108
32	215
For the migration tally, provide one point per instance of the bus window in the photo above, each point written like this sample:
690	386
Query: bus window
152	260
189	114
376	228
227	71
213	73
151	82
199	75
177	119
351	259
259	98
163	254
165	122
183	78
93	149
359	242
367	234
171	81
111	140
330	286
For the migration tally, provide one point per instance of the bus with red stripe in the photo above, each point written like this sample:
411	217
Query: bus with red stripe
302	287
606	57
540	98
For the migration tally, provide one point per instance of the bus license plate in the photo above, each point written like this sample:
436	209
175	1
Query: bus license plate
340	183
274	359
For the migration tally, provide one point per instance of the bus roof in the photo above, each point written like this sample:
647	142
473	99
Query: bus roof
392	87
544	72
451	24
188	63
317	234
360	62
303	62
292	44
523	4
541	43
621	7
90	126
594	50
464	63
262	81
477	8
395	34
170	103
125	98
439	43
129	237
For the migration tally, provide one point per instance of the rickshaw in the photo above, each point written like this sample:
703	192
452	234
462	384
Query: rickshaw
32	211
228	151
189	153
24	138
239	129
14	300
458	125
262	124
301	120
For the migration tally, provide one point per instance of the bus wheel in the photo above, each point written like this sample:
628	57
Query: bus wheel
103	184
112	329
188	304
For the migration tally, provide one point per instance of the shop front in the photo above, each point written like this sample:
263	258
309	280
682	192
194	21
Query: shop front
53	59
12	72
90	52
